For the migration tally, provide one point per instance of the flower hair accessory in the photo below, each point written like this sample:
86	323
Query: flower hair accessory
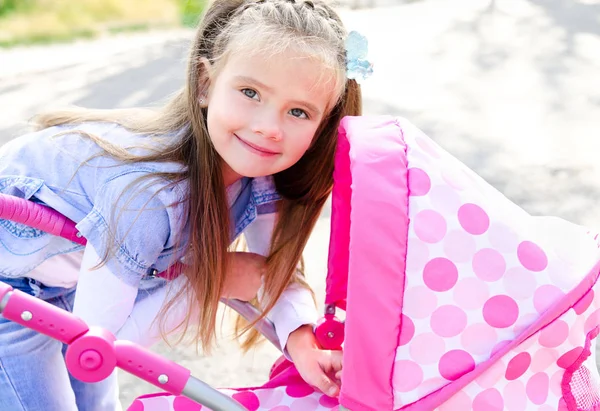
357	66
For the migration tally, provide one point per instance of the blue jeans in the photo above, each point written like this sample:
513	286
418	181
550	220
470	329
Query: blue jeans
33	375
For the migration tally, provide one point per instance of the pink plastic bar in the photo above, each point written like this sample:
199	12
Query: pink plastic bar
151	367
52	222
38	216
42	317
92	357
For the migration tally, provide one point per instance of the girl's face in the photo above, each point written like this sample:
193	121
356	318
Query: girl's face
263	111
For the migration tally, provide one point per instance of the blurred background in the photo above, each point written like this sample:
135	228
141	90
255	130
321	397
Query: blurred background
510	87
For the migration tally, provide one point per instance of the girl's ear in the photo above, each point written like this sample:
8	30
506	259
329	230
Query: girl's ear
204	80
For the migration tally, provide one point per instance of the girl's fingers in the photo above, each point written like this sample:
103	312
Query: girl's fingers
337	358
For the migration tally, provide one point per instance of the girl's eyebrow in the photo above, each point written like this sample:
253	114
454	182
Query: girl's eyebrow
251	80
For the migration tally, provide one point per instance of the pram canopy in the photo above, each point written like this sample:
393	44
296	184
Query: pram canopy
455	297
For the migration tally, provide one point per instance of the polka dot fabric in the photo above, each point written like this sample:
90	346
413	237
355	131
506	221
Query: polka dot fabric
479	271
480	275
292	398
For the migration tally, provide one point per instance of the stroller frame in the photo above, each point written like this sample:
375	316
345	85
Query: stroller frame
93	352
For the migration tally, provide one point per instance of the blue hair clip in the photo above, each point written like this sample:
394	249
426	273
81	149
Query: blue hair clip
357	66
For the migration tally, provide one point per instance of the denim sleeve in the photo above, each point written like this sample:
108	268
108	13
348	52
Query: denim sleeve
135	220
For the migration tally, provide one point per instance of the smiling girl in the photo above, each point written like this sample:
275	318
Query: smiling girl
247	146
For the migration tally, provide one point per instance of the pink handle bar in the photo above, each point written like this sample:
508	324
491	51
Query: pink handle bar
52	222
38	216
93	353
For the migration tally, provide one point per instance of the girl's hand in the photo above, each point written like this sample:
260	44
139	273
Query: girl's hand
244	276
320	368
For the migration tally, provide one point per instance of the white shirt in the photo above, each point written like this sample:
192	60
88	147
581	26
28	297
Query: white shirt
136	323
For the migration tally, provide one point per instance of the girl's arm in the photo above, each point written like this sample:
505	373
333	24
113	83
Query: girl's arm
104	300
296	306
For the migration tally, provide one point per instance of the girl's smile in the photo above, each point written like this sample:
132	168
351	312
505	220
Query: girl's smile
256	149
264	110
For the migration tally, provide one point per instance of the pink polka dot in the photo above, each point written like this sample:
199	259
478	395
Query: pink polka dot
440	274
430	385
280	408
479	339
556	383
299	390
427	348
545	297
459	246
489	265
491	377
417	255
473	219
459	401
445	199
517	366
471	293
576	334
248	399
562	405
419	302
304	404
407	375
430	226
519	283
584	303
554	334
419	182
515	397
543	359
568	358
448	321
455	364
407	330
328	402
537	388
427	146
532	256
500	311
591	322
488	400
502	237
269	398
136	406
181	403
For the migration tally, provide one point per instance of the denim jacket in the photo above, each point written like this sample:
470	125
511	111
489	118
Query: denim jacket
60	168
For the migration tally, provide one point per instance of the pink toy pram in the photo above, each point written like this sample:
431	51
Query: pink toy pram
455	298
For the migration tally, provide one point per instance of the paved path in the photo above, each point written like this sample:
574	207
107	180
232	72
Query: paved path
510	87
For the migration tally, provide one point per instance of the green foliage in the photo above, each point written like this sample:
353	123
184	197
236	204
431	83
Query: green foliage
191	10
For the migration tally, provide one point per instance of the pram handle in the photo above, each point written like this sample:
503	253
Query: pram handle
250	313
93	353
38	216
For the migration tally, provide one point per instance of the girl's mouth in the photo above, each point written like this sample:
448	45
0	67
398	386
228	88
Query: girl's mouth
253	148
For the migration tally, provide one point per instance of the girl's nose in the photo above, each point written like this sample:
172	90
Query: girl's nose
269	126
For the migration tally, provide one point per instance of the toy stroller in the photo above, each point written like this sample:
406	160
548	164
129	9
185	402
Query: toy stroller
455	298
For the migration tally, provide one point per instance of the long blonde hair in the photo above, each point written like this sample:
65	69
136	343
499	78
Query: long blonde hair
310	27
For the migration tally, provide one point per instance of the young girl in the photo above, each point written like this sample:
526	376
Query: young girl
246	147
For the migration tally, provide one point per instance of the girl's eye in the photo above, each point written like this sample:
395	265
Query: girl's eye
296	112
248	92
